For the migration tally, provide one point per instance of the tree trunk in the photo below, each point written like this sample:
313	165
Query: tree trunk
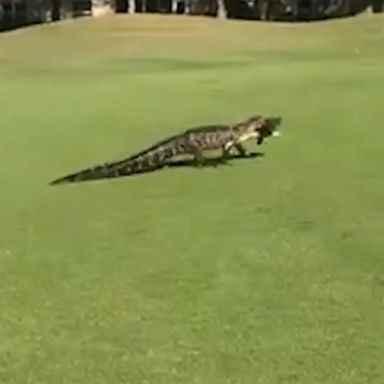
132	6
221	12
56	10
264	10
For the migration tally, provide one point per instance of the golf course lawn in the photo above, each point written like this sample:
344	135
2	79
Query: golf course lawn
263	271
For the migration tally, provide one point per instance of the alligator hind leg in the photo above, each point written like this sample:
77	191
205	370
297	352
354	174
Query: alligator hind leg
226	151
200	161
198	157
240	148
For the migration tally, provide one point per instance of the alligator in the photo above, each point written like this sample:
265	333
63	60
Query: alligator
193	142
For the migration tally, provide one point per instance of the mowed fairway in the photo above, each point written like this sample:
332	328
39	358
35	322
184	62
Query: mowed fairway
270	270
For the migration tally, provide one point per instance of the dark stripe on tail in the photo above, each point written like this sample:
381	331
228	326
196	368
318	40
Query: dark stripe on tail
99	172
147	160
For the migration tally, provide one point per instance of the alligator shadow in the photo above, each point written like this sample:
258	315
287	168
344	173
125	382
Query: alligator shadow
211	162
208	163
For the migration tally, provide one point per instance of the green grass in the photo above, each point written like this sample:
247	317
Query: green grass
267	271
